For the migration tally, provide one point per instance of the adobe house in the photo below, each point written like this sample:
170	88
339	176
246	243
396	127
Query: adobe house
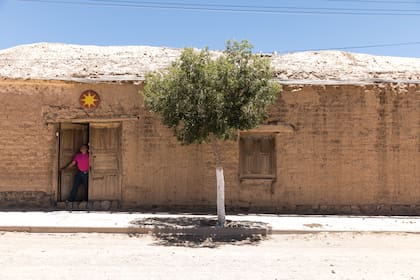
343	137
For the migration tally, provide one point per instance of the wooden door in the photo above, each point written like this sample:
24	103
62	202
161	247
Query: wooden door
104	178
72	136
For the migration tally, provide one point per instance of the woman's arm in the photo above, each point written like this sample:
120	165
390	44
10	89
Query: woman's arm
70	165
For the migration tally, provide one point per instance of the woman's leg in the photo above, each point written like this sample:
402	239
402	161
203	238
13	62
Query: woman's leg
86	183
77	181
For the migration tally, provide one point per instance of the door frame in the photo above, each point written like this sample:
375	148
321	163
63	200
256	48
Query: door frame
58	173
56	184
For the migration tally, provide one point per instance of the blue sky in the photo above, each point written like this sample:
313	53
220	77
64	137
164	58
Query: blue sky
23	22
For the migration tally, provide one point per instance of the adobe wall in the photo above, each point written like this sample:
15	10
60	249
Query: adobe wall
26	146
350	149
340	149
31	111
355	149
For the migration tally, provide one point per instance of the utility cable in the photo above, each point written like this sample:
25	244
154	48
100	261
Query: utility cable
256	7
279	10
374	1
359	47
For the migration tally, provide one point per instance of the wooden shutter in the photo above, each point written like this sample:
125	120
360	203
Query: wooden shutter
257	156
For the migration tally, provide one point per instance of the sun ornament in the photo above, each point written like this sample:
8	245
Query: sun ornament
89	99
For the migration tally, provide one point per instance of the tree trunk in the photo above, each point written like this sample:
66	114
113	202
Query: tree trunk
220	183
220	196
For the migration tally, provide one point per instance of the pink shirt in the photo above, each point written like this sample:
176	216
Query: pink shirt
82	161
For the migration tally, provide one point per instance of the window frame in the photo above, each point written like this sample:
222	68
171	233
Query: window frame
256	135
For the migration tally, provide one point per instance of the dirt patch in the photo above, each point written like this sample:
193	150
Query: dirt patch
200	232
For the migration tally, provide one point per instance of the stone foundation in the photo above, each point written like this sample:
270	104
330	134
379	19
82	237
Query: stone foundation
40	200
25	200
360	210
365	209
105	205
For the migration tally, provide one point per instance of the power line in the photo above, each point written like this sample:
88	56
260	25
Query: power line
239	9
360	47
375	1
183	4
197	4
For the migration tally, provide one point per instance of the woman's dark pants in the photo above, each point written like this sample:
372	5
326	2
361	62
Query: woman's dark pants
80	178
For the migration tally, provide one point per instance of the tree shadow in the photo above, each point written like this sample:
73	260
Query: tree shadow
200	232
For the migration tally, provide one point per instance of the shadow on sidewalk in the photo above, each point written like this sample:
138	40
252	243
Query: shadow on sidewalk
197	232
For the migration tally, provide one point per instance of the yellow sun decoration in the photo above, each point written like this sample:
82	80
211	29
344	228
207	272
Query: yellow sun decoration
89	100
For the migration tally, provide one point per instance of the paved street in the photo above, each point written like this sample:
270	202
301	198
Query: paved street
293	256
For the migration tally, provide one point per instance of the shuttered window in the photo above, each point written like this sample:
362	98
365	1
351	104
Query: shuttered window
257	156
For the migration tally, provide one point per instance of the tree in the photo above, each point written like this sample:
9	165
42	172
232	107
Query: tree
209	97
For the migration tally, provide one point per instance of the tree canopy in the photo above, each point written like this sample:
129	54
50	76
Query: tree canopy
204	94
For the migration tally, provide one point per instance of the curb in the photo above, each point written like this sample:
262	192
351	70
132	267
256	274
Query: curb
49	229
203	231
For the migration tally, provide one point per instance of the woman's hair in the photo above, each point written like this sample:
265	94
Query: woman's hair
84	145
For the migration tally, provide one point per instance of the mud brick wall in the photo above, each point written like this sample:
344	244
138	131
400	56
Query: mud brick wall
353	146
29	122
347	149
340	149
354	150
26	147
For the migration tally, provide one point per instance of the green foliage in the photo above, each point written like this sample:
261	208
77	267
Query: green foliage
201	95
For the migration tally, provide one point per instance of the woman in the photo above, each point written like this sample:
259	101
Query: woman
82	176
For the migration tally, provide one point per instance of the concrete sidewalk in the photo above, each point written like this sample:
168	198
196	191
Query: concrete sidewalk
106	222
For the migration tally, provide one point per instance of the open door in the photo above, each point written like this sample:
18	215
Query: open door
105	154
72	136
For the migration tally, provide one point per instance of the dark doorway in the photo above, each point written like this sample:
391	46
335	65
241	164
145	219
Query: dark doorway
72	136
